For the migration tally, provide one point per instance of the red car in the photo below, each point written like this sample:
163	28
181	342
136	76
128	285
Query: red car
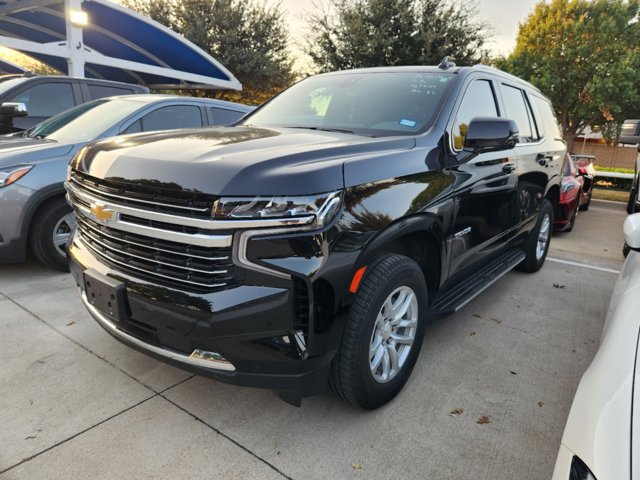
588	173
571	196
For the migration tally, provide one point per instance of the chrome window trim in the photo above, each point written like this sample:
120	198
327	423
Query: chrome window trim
208	360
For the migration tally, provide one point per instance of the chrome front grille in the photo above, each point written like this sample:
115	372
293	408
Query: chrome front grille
156	198
150	244
166	262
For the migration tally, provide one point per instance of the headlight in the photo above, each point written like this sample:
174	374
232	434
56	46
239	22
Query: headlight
13	173
323	207
568	186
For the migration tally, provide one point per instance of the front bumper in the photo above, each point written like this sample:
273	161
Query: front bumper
249	328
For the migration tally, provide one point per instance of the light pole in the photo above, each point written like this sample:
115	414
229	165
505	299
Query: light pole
75	20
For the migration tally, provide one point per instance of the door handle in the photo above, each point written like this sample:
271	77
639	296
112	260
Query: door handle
509	168
543	160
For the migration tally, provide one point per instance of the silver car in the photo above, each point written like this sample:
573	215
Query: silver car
33	212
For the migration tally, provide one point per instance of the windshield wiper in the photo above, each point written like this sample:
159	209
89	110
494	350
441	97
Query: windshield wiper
330	129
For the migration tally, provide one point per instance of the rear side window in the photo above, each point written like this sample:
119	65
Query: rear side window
46	99
478	101
551	125
168	118
517	109
100	91
222	116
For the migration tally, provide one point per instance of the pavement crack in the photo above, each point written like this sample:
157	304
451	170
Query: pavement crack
61	442
78	344
235	442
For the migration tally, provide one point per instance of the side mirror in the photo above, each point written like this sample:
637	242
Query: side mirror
489	134
631	230
11	109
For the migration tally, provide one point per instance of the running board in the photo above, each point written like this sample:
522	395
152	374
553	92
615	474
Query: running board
457	297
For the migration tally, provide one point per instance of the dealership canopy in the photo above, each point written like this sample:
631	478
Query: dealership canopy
99	39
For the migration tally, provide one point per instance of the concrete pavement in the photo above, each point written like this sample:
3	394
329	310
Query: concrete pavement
76	404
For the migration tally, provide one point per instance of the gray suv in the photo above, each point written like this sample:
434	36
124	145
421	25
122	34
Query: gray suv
27	100
33	165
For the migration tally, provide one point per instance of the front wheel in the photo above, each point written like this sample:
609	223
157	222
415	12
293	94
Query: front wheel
50	231
383	333
537	245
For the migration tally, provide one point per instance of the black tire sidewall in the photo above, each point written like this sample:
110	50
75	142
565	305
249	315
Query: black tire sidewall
41	235
408	274
531	263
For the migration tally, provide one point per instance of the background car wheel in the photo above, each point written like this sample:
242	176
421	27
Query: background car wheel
633	200
537	245
50	231
383	333
572	222
585	207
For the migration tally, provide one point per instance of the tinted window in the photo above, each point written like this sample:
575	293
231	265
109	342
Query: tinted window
222	116
478	101
135	127
46	99
97	121
175	116
517	110
549	120
55	123
99	91
397	103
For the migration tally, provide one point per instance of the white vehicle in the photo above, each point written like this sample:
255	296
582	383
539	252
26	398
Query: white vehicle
601	440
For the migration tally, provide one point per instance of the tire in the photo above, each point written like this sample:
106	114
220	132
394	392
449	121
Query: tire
50	229
572	222
369	380
535	257
631	203
585	207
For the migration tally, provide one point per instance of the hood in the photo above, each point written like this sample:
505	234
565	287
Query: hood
235	161
599	427
30	150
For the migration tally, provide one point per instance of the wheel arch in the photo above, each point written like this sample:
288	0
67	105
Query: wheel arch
419	237
37	203
553	195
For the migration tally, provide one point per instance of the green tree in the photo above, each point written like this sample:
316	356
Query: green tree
248	38
584	55
365	33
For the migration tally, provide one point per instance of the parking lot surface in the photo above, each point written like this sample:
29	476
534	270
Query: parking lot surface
77	404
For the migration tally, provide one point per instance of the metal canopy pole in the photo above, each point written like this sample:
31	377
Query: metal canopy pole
75	44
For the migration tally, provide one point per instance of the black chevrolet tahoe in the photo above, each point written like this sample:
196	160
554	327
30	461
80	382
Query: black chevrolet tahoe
308	245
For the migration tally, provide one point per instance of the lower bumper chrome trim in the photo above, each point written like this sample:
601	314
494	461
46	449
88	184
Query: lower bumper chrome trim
209	360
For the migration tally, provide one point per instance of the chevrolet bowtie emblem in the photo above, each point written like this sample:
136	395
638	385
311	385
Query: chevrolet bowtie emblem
101	213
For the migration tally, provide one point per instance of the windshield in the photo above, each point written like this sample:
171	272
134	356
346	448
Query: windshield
94	122
46	128
376	104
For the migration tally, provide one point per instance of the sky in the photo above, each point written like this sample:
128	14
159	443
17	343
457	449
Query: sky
503	17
